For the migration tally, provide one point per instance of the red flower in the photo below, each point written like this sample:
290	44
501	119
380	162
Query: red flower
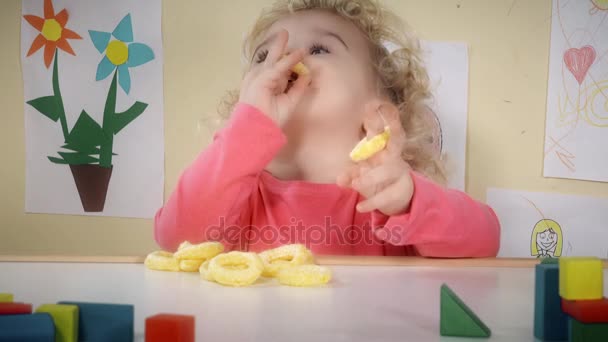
53	33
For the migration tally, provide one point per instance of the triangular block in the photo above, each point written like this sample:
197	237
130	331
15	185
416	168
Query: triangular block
457	319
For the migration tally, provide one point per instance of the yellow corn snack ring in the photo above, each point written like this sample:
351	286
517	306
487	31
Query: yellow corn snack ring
367	148
304	275
300	69
190	265
161	261
236	268
204	271
201	251
285	256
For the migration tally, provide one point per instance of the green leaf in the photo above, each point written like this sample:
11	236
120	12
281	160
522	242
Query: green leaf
121	120
92	150
86	134
57	160
47	105
76	158
82	149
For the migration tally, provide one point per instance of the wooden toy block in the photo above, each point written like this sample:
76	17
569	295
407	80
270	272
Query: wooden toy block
587	332
38	327
170	327
549	261
15	309
457	319
581	278
65	318
104	322
550	323
6	297
587	311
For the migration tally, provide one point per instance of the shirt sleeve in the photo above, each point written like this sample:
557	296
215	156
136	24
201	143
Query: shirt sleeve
213	192
442	223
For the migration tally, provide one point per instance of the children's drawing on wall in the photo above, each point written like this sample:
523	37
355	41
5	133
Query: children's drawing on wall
93	107
547	236
550	225
547	239
576	131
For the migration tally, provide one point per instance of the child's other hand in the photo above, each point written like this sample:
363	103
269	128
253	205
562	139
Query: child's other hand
384	179
268	85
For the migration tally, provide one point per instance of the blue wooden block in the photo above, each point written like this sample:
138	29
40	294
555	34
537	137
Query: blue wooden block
550	322
38	327
99	322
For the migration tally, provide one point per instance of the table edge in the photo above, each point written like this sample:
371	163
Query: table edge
321	259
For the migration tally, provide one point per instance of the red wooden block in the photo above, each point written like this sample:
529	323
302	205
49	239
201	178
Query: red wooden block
587	311
15	309
170	327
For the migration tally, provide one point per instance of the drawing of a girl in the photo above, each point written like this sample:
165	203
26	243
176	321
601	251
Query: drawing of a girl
547	239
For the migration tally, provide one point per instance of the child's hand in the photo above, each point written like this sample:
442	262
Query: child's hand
384	179
268	86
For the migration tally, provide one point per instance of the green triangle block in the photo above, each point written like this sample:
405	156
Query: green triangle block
457	319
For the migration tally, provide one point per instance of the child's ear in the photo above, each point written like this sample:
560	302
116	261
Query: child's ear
378	114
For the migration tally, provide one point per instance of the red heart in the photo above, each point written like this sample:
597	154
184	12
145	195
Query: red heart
579	61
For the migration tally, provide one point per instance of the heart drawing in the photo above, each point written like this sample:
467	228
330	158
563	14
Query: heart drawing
578	61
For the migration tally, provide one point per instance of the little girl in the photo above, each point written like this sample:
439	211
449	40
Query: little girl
279	172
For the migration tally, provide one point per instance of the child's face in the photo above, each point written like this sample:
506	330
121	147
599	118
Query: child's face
547	239
337	55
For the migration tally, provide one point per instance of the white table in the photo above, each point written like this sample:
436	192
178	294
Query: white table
363	303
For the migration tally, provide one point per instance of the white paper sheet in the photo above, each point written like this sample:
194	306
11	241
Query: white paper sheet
136	185
577	100
448	68
579	224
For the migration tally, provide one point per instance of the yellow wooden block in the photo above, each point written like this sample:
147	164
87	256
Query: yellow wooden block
580	278
6	297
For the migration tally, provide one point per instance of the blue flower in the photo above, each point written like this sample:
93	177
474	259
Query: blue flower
120	52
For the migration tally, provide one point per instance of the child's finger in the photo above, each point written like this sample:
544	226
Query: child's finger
346	178
353	172
398	138
276	50
376	180
284	66
373	125
385	200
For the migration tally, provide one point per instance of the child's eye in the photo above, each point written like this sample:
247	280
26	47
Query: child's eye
317	49
261	56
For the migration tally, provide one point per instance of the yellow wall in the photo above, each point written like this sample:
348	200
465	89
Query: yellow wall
509	44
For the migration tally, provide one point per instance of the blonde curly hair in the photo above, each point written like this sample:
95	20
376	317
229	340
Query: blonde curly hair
400	72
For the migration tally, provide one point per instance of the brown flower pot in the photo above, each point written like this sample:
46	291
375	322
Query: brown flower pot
92	184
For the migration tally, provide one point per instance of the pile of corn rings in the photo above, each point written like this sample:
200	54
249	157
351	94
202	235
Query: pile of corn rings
291	265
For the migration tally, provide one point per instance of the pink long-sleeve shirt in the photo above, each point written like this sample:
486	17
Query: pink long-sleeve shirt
226	195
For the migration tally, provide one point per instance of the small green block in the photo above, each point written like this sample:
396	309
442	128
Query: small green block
581	332
6	297
65	318
457	319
